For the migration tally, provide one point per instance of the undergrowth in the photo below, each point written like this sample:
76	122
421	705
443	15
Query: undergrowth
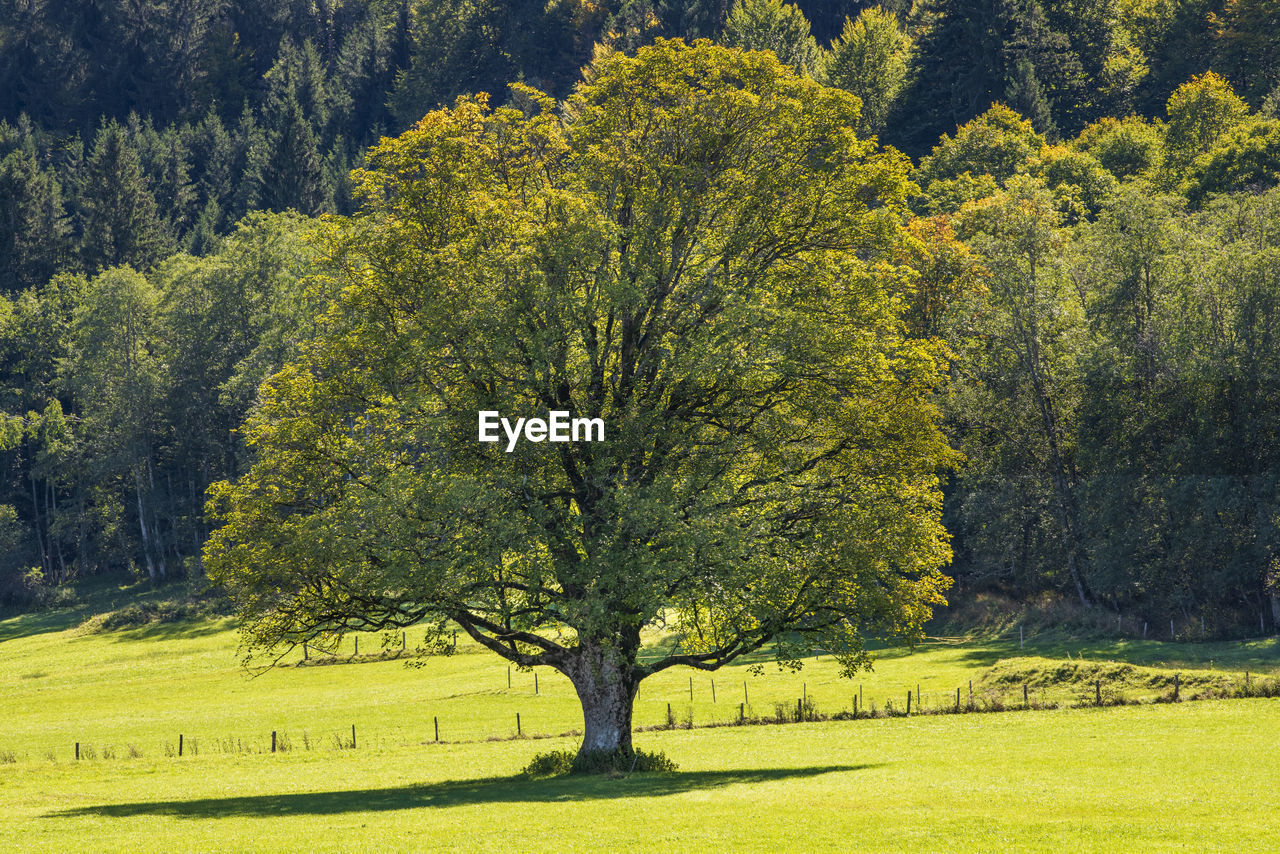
558	763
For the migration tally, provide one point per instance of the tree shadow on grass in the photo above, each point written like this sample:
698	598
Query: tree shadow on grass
42	622
1261	655
190	627
516	789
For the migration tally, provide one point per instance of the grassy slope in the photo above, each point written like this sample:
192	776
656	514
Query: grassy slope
1149	775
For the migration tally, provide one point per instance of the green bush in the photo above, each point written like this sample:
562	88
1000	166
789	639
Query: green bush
558	763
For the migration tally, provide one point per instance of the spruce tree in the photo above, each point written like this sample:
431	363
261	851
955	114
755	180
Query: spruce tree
337	175
971	55
33	225
175	196
120	222
212	158
203	237
292	174
299	74
1026	96
250	156
827	17
691	19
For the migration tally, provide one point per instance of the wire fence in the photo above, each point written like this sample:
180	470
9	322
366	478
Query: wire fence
967	699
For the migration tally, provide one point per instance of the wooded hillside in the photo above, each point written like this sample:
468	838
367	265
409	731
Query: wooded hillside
1095	238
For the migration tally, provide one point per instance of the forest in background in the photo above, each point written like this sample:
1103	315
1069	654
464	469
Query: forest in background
1096	237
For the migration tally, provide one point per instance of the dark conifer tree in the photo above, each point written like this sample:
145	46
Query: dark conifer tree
973	54
337	174
203	237
249	144
692	19
33	225
118	211
1026	96
299	73
175	195
291	175
826	17
402	41
212	157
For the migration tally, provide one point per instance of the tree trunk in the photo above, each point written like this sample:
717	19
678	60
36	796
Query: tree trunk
1275	611
46	559
606	686
142	526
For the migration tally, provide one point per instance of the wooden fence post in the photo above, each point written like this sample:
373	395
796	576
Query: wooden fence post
357	652
742	713
518	730
908	702
353	736
713	690
179	745
508	677
1097	689
436	721
799	710
671	721
690	689
1176	686
957	701
273	741
1026	704
77	751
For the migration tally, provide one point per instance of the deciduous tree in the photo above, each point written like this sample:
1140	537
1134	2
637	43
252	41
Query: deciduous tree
696	250
870	60
776	26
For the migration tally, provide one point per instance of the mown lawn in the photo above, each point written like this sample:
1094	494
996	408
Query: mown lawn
1196	776
1153	777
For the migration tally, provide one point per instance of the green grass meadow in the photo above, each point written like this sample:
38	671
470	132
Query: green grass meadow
1150	777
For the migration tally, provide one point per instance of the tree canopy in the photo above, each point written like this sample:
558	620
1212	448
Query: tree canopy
698	250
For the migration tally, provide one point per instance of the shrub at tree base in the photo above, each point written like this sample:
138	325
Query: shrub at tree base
557	763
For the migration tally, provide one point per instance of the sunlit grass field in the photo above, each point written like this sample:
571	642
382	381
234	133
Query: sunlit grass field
1151	777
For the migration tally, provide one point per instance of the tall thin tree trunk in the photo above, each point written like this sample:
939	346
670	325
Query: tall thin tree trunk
142	525
1063	474
46	562
156	544
196	533
55	542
